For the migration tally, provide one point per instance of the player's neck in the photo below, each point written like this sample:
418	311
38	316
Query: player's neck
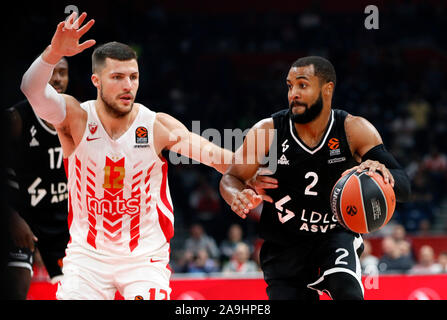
312	132
115	126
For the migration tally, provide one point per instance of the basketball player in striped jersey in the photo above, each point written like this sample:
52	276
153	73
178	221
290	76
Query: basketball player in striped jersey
305	249
120	209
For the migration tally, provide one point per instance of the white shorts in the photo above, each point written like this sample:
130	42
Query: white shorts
89	276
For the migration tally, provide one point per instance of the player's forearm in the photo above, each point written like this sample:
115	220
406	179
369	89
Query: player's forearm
210	154
402	184
224	159
230	186
46	102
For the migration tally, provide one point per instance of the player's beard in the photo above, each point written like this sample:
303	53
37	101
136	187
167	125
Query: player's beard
311	112
112	107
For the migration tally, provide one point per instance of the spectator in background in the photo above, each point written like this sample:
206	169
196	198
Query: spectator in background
240	261
181	260
394	259
426	262
435	166
202	263
199	240
413	165
442	260
205	203
228	245
406	251
424	227
403	128
421	206
399	233
368	261
435	163
419	110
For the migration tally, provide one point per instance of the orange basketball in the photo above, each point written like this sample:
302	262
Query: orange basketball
362	203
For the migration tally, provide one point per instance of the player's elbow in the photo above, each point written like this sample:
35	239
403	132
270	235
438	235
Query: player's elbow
25	87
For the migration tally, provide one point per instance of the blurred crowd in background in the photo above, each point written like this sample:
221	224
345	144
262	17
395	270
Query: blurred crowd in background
225	65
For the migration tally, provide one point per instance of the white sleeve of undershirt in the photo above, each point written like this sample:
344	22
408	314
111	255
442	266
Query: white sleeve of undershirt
46	102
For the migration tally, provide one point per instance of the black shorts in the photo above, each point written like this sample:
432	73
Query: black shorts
302	271
51	248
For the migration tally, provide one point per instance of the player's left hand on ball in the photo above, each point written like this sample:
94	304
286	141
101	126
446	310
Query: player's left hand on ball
373	166
245	201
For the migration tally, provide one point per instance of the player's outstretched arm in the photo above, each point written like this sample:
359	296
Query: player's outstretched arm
233	187
46	102
368	148
171	134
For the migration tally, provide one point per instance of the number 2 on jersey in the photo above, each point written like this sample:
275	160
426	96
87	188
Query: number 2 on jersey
312	184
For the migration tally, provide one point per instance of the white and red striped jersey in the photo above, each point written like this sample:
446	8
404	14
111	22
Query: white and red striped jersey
119	200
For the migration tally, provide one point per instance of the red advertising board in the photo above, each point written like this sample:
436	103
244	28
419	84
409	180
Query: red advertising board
386	287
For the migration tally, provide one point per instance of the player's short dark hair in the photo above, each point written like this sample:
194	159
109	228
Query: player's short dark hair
323	67
113	50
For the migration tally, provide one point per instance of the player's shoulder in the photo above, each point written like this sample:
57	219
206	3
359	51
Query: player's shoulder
266	123
16	115
357	123
281	113
165	126
23	104
276	117
75	109
360	131
145	110
163	118
20	109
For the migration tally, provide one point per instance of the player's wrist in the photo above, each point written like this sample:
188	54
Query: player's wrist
51	56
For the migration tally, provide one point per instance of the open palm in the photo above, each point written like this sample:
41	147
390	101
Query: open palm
65	41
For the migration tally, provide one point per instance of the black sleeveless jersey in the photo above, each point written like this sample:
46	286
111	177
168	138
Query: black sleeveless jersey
39	174
305	177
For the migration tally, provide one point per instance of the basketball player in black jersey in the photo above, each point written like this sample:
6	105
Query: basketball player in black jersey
38	182
305	250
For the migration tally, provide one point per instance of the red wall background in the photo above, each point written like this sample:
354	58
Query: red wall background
386	287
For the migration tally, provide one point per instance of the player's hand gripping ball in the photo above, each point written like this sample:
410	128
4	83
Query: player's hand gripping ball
362	203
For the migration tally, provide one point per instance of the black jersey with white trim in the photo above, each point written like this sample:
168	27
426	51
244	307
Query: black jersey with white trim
305	175
38	175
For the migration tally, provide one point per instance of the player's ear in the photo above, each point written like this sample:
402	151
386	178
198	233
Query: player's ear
328	89
95	80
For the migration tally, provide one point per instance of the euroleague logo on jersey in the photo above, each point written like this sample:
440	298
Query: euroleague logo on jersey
141	137
333	144
334	150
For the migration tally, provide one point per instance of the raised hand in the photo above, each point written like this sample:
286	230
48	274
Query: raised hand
65	41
